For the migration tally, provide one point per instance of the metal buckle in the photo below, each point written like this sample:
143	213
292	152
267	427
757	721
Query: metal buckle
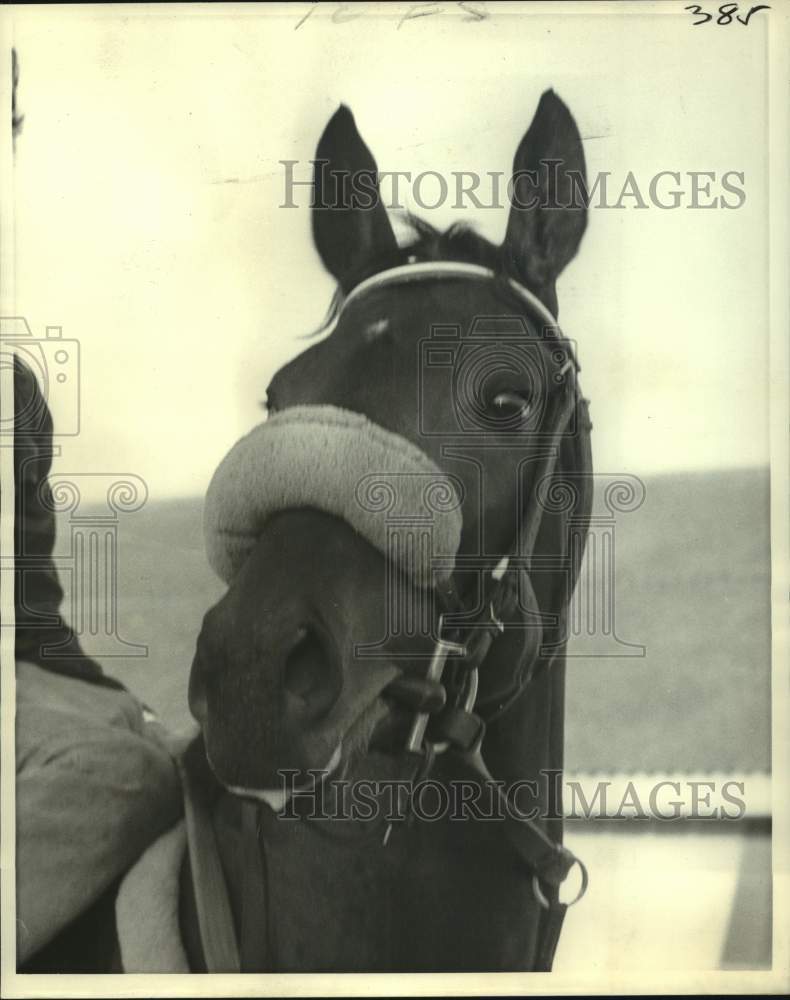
435	670
541	897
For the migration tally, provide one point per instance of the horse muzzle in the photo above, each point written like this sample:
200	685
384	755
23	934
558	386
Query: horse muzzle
275	682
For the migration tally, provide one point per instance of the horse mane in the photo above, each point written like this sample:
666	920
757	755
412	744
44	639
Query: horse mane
459	243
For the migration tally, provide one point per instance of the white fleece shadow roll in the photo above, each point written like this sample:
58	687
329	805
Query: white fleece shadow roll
339	462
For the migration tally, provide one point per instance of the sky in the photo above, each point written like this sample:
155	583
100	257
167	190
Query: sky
148	225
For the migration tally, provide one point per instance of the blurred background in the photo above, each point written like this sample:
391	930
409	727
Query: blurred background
151	241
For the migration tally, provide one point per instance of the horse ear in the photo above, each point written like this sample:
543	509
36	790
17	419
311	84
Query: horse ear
548	212
350	224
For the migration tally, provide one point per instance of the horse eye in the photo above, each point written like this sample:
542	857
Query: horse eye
512	404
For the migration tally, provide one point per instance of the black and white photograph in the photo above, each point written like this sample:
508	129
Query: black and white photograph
394	440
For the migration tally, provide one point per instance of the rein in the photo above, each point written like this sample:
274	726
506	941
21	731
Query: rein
459	729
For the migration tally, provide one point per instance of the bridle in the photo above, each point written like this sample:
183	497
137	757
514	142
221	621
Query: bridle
461	729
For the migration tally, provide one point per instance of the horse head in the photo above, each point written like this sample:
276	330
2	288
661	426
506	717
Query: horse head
442	367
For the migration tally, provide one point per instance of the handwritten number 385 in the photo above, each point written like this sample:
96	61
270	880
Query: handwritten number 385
726	12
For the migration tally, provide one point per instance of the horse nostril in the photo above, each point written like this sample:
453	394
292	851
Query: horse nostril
310	679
